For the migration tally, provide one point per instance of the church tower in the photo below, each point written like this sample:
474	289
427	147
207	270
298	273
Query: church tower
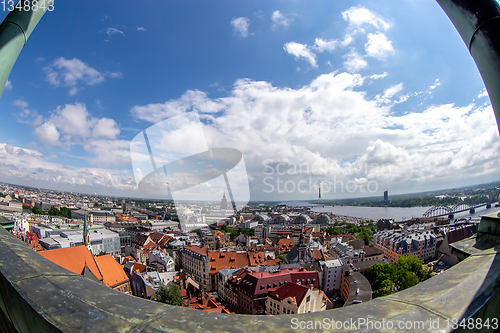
86	236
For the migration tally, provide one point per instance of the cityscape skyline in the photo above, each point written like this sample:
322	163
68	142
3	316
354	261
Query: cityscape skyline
356	96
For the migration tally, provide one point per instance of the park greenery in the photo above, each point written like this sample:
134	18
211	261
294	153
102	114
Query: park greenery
53	211
361	232
386	279
170	294
233	232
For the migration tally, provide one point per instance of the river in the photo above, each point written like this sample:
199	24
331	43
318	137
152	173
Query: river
396	213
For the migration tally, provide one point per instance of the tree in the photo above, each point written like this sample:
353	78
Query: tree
53	211
170	294
38	211
408	280
411	264
387	288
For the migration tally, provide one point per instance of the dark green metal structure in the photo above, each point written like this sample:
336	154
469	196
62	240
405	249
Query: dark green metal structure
38	296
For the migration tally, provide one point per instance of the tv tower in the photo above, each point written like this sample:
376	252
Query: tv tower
319	197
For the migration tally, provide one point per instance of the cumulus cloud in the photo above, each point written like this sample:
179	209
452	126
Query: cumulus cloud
72	124
391	91
483	93
280	20
105	128
27	116
191	100
332	125
301	51
73	74
29	167
360	22
8	85
47	134
359	16
378	46
240	26
109	151
354	62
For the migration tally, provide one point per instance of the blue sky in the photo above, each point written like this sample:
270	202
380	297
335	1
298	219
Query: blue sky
367	95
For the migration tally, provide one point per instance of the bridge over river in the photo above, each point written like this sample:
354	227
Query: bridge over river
450	211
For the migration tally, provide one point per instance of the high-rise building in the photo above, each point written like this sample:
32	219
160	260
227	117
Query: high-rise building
386	195
223	202
319	196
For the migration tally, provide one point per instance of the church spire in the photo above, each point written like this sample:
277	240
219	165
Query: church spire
86	236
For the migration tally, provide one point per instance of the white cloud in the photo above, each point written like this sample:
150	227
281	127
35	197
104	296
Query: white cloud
48	134
435	85
73	73
322	45
191	100
378	46
29	167
115	75
113	31
378	76
359	16
301	51
72	119
72	124
20	103
279	19
27	116
109	151
334	124
240	26
8	85
354	62
141	29
391	91
105	128
483	93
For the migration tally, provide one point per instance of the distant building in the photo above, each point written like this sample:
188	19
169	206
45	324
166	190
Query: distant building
223	202
93	216
386	195
246	292
101	240
294	298
400	243
9	207
330	275
104	269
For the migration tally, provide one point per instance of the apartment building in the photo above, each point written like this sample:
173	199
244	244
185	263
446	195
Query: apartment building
396	243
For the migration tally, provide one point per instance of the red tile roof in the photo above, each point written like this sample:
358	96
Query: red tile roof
294	291
259	259
285	244
200	250
262	282
218	260
112	271
138	267
73	259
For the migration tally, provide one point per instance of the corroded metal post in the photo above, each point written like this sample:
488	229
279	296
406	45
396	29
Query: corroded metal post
478	22
15	31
